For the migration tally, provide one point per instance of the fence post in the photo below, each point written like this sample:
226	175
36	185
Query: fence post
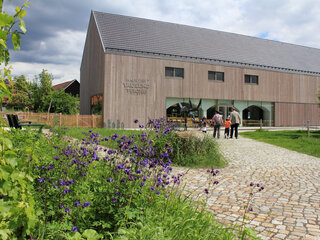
77	118
92	120
308	128
60	119
260	123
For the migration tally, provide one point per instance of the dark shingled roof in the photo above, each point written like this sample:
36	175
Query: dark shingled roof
63	86
143	37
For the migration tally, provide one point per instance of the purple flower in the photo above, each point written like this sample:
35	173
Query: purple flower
86	204
66	190
77	203
42	180
142	184
206	191
136	121
109	179
110	152
158	192
56	157
116	192
62	182
50	167
251	184
119	166
74	229
114	200
152	188
67	210
141	126
60	206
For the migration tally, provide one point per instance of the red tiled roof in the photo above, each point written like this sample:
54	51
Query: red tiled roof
62	86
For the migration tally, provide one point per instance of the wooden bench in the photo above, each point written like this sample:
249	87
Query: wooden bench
14	122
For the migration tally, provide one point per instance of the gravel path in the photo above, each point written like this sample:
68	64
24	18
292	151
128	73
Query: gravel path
288	207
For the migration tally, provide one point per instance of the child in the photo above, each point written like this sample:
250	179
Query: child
226	128
204	125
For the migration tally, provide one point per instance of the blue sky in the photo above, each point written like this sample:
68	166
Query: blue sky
56	29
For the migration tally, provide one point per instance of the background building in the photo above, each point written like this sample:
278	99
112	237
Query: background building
142	69
72	87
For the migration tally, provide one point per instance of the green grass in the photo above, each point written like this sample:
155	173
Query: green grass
296	140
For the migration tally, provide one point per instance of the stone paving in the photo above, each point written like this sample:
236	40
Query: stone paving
288	207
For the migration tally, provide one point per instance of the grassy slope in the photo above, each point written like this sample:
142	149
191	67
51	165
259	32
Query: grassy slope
296	140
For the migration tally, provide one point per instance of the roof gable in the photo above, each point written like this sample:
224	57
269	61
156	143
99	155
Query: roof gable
137	36
64	85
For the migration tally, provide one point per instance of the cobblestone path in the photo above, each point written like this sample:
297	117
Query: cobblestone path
288	207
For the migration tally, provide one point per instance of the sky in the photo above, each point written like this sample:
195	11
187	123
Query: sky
56	29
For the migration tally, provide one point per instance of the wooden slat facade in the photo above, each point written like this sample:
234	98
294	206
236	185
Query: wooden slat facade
294	95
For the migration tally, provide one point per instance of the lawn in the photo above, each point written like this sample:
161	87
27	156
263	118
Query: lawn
296	140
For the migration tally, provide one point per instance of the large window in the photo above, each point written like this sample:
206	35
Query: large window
174	72
216	76
253	79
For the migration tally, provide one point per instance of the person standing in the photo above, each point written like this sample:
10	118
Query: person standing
204	125
235	122
227	128
217	121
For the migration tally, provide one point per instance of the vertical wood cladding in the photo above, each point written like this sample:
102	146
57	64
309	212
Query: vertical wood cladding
92	68
136	88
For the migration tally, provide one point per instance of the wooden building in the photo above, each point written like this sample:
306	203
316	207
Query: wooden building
142	69
72	87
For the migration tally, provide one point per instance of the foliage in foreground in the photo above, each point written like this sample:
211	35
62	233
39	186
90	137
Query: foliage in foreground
296	140
51	189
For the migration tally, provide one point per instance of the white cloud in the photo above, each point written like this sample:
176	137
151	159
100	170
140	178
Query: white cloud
61	73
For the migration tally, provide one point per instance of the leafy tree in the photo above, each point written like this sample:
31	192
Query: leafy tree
20	93
9	32
41	90
61	102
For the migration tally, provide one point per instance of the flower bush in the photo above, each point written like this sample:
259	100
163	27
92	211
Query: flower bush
82	190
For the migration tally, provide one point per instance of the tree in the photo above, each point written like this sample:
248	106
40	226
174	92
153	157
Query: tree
9	32
20	94
61	102
40	90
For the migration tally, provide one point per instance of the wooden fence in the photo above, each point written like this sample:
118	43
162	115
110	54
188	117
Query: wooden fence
58	119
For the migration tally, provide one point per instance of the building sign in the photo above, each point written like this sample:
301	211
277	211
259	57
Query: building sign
136	86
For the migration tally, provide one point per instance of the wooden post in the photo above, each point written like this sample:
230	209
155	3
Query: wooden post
60	119
260	123
308	128
92	121
77	119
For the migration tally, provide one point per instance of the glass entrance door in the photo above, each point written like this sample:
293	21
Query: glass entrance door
225	111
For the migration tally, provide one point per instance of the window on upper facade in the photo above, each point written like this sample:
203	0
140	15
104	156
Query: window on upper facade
253	79
216	76
174	72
